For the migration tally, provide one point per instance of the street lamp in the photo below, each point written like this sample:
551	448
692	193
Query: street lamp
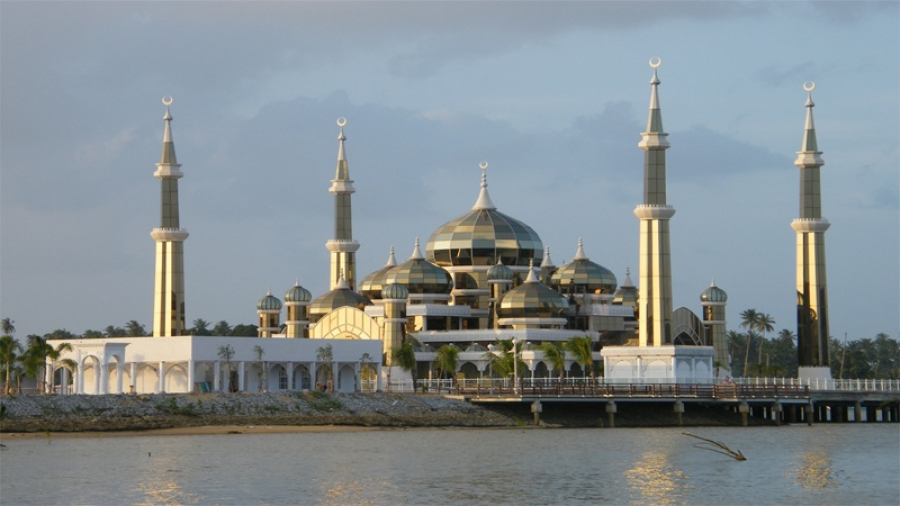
515	366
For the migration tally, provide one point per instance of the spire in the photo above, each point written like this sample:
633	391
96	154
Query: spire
417	252
532	277
627	283
809	154
342	173
392	261
579	254
654	136
713	284
484	199
546	261
168	151
342	283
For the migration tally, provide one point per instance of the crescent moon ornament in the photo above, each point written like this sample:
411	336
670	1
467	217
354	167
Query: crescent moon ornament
167	100
341	122
483	165
655	62
809	86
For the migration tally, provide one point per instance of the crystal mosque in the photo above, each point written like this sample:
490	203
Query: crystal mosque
480	279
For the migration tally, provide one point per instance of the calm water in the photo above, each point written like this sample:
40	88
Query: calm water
823	464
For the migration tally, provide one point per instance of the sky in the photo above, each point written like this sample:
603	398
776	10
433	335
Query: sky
553	95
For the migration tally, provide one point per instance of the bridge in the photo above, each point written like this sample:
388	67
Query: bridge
787	400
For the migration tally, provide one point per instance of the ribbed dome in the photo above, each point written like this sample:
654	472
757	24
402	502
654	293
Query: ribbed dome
500	272
627	294
297	294
373	283
394	291
268	303
482	236
531	299
583	276
341	296
713	294
420	276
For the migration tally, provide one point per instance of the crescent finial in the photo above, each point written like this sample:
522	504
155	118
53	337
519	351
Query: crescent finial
809	85
167	100
655	62
483	165
341	122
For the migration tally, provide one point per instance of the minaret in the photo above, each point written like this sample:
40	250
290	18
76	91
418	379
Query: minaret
655	290
168	293
714	301
812	300
342	246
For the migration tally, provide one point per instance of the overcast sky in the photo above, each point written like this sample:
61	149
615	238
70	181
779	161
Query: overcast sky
553	95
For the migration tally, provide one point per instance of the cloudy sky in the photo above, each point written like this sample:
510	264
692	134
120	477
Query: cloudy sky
552	95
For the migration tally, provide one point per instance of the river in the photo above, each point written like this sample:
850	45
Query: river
818	465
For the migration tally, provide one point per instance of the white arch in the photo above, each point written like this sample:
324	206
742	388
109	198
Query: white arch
346	323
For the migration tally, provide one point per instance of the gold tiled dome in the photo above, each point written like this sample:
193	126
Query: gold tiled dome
420	276
583	276
269	302
372	285
532	299
341	296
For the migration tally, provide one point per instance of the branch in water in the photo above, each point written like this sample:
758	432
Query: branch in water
717	447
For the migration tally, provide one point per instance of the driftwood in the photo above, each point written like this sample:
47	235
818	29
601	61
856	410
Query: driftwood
715	446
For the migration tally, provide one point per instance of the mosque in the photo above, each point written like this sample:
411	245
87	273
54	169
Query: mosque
479	280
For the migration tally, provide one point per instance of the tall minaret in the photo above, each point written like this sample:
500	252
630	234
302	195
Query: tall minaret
812	300
168	293
342	247
655	290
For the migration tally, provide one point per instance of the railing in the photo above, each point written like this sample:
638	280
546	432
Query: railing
852	385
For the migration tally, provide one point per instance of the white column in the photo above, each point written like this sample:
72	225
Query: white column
312	375
217	376
334	376
97	375
241	368
120	369
162	378
48	376
190	376
64	380
357	372
134	377
289	368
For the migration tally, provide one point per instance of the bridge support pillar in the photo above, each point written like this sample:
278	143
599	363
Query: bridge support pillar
809	410
857	411
744	410
679	412
536	408
776	410
871	413
611	412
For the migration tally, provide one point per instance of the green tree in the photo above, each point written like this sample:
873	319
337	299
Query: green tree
749	317
405	358
39	351
446	360
7	327
201	327
325	355
134	329
113	331
241	330
582	349
258	351
764	323
9	355
226	353
555	355
92	334
222	328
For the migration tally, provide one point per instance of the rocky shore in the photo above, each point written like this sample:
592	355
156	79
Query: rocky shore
78	413
110	413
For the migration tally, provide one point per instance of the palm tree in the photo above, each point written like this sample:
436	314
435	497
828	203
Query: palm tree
405	358
201	327
7	327
260	366
113	331
764	323
325	354
749	317
9	354
555	355
226	353
222	328
582	349
37	354
135	329
446	360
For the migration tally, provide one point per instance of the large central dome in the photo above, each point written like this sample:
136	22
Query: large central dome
483	236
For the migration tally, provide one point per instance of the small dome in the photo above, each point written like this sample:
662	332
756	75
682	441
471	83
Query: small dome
341	296
500	272
297	294
269	302
394	291
627	294
475	347
583	276
713	294
373	283
531	299
420	276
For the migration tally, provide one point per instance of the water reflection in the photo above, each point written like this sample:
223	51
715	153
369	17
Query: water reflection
656	480
815	471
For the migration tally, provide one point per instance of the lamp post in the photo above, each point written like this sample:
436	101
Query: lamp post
515	350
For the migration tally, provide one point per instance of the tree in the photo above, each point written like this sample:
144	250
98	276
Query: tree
405	358
749	318
226	353
92	334
555	355
325	354
764	323
135	329
260	366
446	360
222	328
736	344
9	354
582	349
113	331
241	330
35	358
7	327
201	327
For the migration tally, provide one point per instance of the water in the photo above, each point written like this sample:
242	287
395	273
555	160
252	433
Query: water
823	464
